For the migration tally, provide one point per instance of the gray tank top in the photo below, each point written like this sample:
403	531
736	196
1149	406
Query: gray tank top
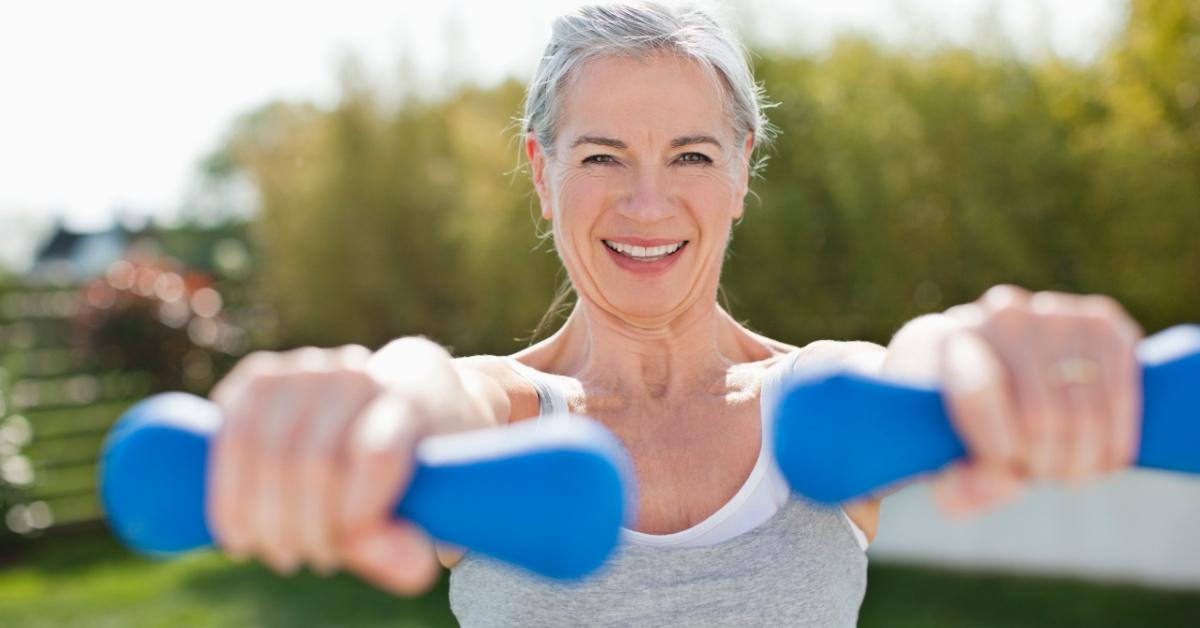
802	567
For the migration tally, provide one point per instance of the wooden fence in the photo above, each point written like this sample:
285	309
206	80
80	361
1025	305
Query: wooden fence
56	405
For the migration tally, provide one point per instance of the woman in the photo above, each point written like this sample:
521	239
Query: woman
641	126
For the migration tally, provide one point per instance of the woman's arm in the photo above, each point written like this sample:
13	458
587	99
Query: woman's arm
501	396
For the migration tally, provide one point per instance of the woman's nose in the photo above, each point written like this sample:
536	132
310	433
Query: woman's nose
648	198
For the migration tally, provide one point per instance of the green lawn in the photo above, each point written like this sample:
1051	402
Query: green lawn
90	581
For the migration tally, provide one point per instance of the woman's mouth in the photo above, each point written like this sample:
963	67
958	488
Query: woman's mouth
645	253
645	261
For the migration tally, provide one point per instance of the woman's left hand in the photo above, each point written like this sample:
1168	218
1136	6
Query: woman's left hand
1041	386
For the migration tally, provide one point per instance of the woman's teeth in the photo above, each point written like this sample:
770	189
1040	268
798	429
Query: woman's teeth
644	253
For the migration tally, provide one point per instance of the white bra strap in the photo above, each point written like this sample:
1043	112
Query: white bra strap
551	401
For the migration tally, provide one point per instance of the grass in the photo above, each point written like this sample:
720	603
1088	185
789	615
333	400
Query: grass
90	581
901	596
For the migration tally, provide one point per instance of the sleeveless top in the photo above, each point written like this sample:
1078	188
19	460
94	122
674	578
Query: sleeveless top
766	557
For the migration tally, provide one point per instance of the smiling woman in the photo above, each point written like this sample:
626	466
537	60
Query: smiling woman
641	125
644	157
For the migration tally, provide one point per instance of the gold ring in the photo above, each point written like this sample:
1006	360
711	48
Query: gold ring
1073	371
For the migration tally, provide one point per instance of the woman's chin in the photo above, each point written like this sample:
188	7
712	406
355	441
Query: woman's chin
644	306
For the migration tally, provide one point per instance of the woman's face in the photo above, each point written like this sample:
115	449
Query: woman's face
645	160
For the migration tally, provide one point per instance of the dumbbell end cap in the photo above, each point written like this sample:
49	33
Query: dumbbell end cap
152	474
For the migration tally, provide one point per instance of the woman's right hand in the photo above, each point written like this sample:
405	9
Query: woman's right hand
316	448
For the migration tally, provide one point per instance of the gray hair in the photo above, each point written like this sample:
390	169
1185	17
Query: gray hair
637	29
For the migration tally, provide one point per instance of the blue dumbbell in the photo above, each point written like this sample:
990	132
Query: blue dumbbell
840	435
549	496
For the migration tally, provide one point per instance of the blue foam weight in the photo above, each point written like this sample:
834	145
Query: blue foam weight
547	496
839	435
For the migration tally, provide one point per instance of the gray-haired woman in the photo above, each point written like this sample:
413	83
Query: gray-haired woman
642	122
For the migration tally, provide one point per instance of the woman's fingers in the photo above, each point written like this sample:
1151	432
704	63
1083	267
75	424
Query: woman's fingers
314	455
1070	408
977	395
395	556
1122	376
967	488
231	469
379	454
277	461
1085	427
316	478
392	554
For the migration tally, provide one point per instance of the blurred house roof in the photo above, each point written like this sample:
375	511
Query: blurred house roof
73	256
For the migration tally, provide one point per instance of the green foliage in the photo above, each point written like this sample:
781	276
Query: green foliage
378	222
903	183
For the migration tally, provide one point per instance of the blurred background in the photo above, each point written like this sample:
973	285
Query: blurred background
180	185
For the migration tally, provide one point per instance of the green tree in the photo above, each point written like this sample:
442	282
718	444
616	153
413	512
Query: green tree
903	182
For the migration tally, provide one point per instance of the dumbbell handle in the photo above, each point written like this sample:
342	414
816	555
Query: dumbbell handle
839	436
548	496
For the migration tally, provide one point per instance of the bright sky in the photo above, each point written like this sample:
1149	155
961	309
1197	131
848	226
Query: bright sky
105	107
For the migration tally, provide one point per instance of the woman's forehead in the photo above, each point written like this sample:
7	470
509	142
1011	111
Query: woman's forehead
655	98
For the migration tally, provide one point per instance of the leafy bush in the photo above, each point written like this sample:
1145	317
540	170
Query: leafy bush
904	182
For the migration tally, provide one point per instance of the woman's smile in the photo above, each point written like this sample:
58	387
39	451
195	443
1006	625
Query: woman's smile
645	257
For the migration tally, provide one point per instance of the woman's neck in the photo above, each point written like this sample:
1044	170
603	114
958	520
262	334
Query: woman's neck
689	355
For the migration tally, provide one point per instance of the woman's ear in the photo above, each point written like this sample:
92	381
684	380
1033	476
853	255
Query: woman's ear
537	168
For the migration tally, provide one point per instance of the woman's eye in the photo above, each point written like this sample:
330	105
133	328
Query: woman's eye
599	159
695	158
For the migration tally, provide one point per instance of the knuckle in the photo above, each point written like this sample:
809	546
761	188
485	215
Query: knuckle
353	355
313	359
245	372
416	347
1050	302
257	361
1102	305
1007	319
299	351
1004	294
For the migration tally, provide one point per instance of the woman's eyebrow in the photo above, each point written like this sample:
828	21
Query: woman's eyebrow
686	140
602	141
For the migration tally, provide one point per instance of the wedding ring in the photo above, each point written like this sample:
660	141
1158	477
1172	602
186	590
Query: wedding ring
1073	371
